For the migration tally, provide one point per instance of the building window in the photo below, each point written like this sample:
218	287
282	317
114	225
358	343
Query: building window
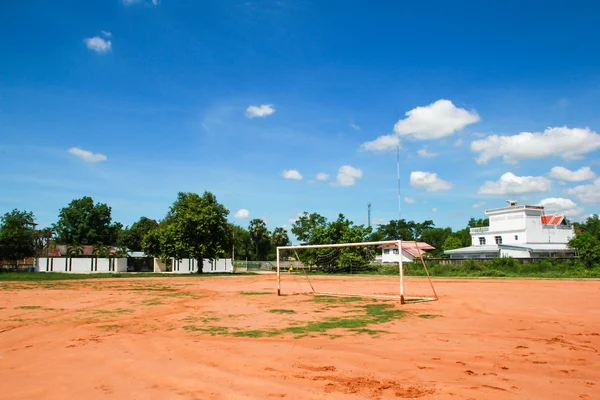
396	251
498	239
386	251
481	241
516	237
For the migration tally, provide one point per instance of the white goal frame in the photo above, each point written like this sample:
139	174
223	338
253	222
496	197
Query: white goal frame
403	299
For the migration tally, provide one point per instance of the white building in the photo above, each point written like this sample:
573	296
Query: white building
410	251
519	232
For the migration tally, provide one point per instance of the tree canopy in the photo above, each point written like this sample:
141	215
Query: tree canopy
195	227
131	238
88	223
17	235
587	241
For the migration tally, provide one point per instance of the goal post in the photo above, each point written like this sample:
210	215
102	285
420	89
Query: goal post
341	259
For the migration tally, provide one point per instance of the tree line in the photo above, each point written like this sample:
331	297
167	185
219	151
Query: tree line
196	226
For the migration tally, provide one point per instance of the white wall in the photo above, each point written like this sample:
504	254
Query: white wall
514	253
190	266
159	266
81	265
390	257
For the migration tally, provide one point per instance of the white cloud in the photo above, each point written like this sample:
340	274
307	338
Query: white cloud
97	44
459	142
382	143
242	214
509	183
322	176
560	142
87	156
428	181
409	200
434	210
106	33
479	205
559	205
425	154
587	193
354	126
564	174
130	2
347	176
292	174
263	110
435	121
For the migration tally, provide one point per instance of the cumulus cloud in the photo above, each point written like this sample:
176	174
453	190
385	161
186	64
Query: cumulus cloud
479	205
322	176
292	174
409	200
564	174
382	143
347	176
426	154
263	110
559	205
429	181
435	121
87	156
509	183
97	44
589	194
561	142
242	214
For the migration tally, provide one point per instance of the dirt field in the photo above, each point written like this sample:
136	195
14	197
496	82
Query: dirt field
232	338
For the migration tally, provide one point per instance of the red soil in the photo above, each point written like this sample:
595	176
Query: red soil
103	339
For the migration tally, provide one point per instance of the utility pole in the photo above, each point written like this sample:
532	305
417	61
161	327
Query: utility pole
369	214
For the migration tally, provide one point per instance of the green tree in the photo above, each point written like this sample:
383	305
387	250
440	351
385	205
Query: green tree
244	248
261	238
74	250
279	238
395	230
84	222
131	238
195	227
436	237
478	223
17	235
452	242
587	241
308	227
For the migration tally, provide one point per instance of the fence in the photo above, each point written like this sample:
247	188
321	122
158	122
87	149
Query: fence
16	265
460	261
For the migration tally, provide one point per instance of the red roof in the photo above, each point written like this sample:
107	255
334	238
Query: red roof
411	247
552	219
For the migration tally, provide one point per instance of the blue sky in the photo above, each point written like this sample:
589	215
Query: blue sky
132	101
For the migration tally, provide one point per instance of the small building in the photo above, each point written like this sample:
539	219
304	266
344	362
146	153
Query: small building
519	232
411	250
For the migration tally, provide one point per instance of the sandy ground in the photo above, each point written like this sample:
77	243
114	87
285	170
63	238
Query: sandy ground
173	338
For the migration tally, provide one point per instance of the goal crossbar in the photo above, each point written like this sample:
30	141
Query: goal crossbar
403	299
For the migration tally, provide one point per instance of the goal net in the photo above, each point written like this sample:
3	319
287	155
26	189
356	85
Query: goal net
366	269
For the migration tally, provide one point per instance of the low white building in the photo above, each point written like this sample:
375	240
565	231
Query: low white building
519	232
190	266
81	265
410	251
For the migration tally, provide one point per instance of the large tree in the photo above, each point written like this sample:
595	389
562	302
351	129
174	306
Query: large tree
587	241
242	243
279	238
261	238
131	238
308	227
86	222
196	227
17	235
436	237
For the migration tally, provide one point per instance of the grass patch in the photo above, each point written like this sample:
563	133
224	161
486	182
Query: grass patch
29	307
372	332
281	311
115	311
152	302
254	293
110	327
257	333
334	299
429	316
183	294
211	330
